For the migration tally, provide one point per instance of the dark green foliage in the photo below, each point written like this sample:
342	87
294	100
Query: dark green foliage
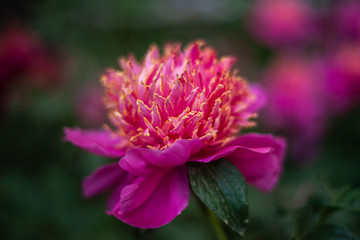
222	188
331	232
349	200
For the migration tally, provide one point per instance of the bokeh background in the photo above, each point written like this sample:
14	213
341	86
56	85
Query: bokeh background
305	54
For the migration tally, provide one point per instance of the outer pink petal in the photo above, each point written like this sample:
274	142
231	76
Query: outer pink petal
100	142
108	177
143	161
114	197
258	157
211	155
154	201
264	170
102	179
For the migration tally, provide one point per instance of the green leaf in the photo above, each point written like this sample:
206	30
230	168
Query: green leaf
331	232
222	188
349	200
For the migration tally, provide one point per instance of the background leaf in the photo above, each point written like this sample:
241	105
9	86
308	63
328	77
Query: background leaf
308	216
331	232
349	200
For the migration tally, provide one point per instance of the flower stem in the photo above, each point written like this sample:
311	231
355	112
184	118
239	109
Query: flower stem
214	220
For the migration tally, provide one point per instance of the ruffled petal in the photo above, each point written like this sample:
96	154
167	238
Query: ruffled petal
154	201
209	155
144	161
263	170
114	196
101	142
258	157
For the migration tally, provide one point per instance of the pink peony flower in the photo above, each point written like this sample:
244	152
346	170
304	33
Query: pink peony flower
295	102
17	45
347	19
279	22
342	67
22	53
166	111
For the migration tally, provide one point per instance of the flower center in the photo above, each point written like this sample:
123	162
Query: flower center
178	96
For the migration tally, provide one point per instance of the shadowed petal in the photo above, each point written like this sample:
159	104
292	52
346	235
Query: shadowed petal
143	161
114	197
101	142
108	177
154	201
211	155
102	179
263	170
258	157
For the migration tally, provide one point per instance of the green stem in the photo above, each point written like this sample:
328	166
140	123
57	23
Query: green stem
214	220
216	224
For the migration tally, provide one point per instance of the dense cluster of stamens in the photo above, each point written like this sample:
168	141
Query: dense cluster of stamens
180	95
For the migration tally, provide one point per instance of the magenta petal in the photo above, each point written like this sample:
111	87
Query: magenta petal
114	197
102	179
100	142
211	155
258	157
154	201
263	169
108	177
143	161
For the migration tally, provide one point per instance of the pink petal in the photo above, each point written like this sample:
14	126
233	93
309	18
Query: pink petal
100	142
102	179
154	201
258	157
114	197
211	155
143	161
263	170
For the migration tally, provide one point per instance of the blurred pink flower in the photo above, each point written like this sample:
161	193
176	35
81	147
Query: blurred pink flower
282	22
23	57
342	67
16	49
295	102
89	106
167	111
23	54
346	19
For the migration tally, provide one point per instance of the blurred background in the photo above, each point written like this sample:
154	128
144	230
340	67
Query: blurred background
305	54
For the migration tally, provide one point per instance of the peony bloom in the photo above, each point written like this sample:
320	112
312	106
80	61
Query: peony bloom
17	46
24	56
347	19
279	22
342	68
295	102
166	111
22	53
